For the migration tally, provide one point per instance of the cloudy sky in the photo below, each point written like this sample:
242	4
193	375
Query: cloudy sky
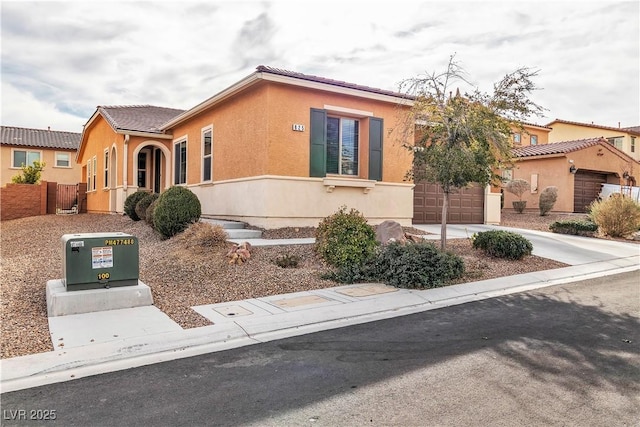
62	59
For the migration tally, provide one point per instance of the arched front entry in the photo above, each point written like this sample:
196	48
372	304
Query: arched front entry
151	167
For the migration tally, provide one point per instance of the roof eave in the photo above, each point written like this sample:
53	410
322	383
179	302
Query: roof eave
215	99
144	134
294	81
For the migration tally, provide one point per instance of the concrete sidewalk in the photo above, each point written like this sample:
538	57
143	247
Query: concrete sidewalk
95	343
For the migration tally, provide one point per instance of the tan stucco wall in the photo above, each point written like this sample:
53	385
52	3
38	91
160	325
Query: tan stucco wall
253	135
570	132
279	201
51	173
239	137
100	136
525	135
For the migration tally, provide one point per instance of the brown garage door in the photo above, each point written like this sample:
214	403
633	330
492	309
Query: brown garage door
465	206
586	187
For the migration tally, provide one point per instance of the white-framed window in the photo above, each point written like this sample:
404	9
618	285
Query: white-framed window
142	169
534	139
517	138
95	172
207	153
24	157
342	145
106	168
633	144
89	175
62	160
180	162
616	141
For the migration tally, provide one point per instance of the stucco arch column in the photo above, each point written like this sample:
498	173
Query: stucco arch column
165	152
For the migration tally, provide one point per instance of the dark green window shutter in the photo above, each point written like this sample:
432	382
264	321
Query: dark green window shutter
375	148
318	133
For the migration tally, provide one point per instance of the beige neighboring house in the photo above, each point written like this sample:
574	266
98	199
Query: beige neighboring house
625	139
23	146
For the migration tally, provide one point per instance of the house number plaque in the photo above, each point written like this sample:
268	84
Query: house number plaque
298	127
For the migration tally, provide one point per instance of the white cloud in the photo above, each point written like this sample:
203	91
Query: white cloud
176	54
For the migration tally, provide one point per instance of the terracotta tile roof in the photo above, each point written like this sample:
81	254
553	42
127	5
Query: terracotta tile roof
296	75
556	147
41	138
536	125
140	118
634	129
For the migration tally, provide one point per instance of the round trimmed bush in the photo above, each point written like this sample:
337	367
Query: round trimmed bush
548	198
415	265
176	209
143	204
130	204
149	214
345	239
502	244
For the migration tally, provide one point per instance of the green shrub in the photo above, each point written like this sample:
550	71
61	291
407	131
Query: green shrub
617	216
149	213
344	239
414	265
30	174
502	244
130	204
574	226
143	205
287	260
548	198
177	208
203	235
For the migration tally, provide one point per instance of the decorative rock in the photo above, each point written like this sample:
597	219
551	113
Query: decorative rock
390	231
239	254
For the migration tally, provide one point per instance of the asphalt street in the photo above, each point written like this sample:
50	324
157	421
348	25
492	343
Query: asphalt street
563	355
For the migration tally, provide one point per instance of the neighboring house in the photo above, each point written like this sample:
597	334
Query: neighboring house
275	149
23	146
625	139
577	168
531	134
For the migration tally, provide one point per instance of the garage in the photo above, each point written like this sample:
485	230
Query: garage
587	186
466	206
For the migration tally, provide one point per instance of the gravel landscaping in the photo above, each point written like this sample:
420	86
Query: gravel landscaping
181	276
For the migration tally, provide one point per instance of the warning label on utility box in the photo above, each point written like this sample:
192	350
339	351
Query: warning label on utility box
102	257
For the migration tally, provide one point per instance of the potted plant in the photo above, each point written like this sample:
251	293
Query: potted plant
518	187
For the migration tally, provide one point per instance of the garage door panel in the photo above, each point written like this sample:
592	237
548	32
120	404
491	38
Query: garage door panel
465	206
586	188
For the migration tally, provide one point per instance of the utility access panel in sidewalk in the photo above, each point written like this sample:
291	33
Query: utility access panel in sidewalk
99	260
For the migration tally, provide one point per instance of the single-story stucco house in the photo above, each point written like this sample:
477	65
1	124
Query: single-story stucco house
277	148
577	168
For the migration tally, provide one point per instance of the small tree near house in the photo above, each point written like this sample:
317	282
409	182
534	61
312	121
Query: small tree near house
30	174
518	188
462	139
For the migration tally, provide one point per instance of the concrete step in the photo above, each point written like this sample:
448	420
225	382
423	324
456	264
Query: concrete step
227	225
235	229
235	233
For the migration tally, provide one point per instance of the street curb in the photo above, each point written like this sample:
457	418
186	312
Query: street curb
63	365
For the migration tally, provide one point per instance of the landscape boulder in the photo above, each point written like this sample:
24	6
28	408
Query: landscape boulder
390	231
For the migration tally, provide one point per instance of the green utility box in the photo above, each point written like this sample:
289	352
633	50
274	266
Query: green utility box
99	260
